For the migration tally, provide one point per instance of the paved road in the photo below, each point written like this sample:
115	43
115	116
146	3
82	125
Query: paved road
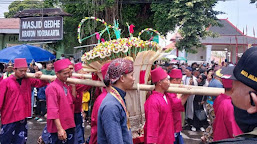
35	130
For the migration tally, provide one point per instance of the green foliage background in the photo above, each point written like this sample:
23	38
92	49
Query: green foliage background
192	16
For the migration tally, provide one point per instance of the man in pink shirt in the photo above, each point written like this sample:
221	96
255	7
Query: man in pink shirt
15	103
98	101
79	130
176	78
225	125
158	110
60	111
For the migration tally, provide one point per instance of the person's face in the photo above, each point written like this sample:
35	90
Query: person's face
196	73
210	73
36	67
165	84
200	79
188	72
170	67
49	66
63	75
128	80
183	69
9	69
20	72
194	66
176	81
240	95
71	67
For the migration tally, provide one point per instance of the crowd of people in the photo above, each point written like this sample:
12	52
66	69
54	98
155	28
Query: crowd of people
227	118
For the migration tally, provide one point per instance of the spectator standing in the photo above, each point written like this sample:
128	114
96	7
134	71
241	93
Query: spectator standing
41	97
62	57
199	101
72	59
9	70
196	73
213	82
189	79
49	69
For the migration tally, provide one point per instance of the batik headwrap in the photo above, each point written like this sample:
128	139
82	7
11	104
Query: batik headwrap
117	68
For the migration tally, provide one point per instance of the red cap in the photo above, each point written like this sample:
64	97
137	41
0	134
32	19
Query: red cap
175	73
104	69
158	74
78	66
20	63
227	83
61	64
67	61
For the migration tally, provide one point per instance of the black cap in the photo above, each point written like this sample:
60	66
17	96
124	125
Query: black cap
227	73
246	68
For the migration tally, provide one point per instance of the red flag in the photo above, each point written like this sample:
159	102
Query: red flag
131	29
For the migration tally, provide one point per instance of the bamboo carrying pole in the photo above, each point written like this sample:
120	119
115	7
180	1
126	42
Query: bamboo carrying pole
173	88
87	76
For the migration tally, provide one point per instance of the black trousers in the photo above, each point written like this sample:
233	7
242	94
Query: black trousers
41	108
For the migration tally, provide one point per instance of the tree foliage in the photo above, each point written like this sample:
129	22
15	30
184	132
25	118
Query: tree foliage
253	1
18	5
192	16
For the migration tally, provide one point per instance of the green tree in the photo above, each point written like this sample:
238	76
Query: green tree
18	6
192	16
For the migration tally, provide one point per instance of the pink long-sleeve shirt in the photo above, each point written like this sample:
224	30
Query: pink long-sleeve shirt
78	100
15	99
59	106
224	125
159	121
97	104
176	112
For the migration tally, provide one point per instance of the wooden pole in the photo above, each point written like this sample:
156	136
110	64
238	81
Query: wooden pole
87	76
182	89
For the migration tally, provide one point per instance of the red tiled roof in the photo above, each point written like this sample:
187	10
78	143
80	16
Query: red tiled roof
171	45
9	23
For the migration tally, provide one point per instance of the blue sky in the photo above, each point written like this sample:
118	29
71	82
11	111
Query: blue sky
239	12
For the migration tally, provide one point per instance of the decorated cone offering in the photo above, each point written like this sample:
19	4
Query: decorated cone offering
143	53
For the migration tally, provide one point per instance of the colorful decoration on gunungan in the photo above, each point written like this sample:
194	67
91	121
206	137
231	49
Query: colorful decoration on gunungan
119	47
